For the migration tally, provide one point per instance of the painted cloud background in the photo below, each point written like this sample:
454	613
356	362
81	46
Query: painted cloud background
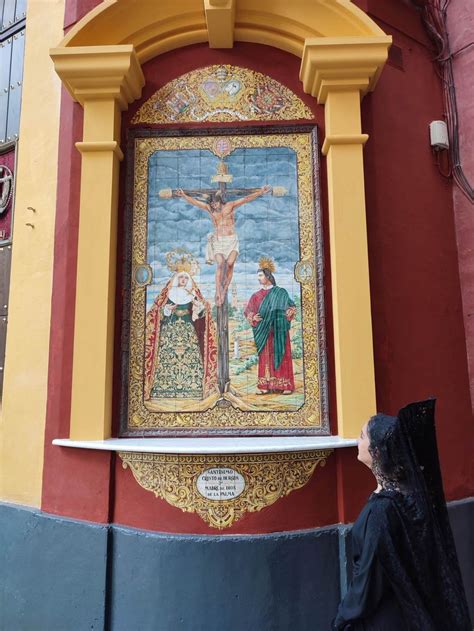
267	226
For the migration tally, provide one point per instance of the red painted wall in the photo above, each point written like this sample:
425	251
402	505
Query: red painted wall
77	9
460	17
416	299
419	337
161	70
75	483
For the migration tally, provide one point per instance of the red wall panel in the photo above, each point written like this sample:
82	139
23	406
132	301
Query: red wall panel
75	482
419	339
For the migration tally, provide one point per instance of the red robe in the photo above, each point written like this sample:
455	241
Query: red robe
269	377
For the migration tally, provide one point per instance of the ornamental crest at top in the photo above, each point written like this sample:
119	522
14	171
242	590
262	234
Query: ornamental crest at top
219	94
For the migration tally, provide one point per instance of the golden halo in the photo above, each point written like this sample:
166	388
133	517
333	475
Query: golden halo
265	262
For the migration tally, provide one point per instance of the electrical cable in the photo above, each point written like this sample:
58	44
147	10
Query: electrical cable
434	17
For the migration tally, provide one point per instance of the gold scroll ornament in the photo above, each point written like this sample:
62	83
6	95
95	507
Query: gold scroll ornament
268	477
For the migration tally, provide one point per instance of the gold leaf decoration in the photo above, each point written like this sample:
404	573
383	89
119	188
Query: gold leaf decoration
149	416
222	94
268	477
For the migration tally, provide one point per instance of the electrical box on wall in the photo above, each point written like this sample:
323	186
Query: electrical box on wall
439	135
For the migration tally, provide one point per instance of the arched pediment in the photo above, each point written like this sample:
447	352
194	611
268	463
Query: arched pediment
157	27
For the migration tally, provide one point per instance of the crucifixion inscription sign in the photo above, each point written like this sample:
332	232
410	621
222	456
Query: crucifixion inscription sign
220	484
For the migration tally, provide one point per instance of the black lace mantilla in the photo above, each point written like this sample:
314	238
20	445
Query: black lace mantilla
406	573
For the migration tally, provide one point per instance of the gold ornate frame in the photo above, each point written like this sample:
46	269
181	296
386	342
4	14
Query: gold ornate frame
222	418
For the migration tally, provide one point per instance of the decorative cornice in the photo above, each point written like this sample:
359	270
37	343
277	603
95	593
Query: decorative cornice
100	73
213	445
106	145
342	64
237	483
158	27
343	139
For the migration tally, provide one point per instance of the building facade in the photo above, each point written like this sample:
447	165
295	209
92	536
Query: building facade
146	483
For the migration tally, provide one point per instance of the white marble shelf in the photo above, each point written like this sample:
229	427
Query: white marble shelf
223	445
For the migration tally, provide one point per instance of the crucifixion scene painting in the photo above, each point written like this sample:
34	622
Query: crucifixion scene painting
223	306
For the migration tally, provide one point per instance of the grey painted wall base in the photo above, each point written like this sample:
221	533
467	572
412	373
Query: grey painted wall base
63	575
461	515
52	572
234	584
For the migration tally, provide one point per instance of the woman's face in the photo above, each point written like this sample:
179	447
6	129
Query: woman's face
182	280
363	443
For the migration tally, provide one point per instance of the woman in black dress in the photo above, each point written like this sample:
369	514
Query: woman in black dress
406	574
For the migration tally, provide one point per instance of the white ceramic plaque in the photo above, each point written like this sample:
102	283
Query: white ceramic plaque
220	483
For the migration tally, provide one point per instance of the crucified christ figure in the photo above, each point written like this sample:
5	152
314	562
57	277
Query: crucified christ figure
223	243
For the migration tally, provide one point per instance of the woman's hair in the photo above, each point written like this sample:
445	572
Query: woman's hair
268	275
387	448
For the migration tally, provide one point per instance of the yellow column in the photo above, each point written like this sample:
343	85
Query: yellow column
104	80
25	389
338	72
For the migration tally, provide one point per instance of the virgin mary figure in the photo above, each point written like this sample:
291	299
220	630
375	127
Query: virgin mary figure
180	344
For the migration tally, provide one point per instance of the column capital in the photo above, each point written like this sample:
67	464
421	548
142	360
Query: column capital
93	147
341	139
341	64
92	73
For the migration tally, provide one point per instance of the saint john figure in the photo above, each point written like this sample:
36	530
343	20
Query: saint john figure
180	344
270	312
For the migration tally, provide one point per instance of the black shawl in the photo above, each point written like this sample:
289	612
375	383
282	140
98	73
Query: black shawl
406	573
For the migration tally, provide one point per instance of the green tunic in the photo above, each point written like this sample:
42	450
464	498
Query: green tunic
273	313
